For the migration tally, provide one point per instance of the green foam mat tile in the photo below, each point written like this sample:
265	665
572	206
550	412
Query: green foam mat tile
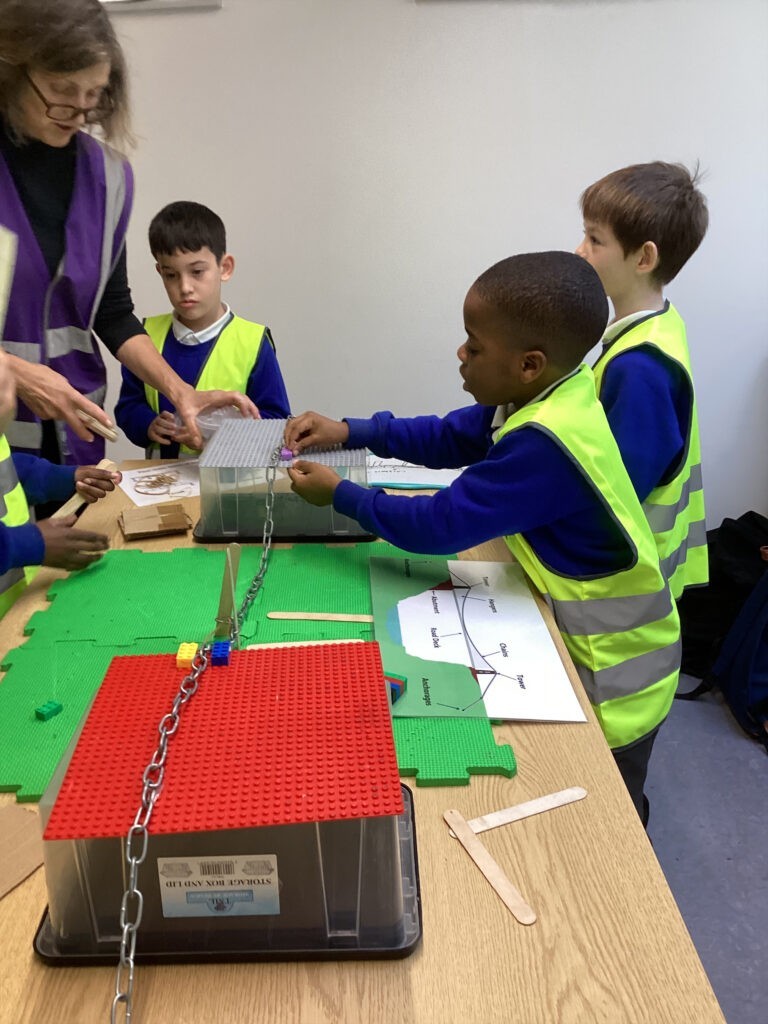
446	751
68	673
134	602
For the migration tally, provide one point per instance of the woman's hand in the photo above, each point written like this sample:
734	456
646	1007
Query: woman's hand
190	403
51	397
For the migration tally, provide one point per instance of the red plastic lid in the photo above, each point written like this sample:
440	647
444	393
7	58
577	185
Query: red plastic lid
279	736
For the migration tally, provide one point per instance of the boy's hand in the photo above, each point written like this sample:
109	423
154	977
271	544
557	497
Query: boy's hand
66	548
313	430
92	483
313	482
162	429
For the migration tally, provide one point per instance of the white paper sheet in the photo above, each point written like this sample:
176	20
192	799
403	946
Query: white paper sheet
164	480
490	622
407	476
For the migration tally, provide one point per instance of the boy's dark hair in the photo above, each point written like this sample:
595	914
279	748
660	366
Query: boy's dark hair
553	301
187	227
655	202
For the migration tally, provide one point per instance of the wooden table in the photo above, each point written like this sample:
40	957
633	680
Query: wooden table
609	944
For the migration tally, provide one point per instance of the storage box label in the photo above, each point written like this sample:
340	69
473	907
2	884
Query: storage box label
234	886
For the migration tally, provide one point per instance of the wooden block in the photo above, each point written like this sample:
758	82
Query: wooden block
153	521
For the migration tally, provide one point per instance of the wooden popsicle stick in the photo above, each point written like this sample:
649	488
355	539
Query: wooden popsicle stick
525	810
509	895
96	426
76	502
319	617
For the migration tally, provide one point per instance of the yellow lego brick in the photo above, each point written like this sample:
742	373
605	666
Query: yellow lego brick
185	655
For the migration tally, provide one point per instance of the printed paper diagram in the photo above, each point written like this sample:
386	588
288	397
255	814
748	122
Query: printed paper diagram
480	615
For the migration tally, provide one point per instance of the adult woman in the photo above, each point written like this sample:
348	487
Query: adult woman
67	196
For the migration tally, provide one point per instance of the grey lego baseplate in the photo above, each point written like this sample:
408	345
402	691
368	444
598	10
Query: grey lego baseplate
249	444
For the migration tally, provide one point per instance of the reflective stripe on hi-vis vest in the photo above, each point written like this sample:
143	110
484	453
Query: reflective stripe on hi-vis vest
13	512
229	363
674	509
622	629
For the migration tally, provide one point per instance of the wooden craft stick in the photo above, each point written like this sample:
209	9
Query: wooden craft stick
96	426
225	616
493	873
76	502
530	807
319	617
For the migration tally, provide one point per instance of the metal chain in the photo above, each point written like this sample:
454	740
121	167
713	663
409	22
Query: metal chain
132	905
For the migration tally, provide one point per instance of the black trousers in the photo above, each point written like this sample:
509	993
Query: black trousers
632	762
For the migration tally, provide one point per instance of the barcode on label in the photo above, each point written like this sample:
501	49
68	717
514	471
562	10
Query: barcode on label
216	867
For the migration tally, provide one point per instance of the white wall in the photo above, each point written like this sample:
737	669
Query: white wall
371	157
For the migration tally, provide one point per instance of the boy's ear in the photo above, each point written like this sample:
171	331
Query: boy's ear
227	266
157	268
532	365
647	258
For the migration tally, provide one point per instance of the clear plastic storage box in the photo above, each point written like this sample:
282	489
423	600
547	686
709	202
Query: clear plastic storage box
296	740
233	486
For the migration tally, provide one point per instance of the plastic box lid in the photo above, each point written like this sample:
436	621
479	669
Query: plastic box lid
278	736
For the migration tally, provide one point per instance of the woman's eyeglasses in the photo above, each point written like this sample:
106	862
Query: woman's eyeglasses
67	112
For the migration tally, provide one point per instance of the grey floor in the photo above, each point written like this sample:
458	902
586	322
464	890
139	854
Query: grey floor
708	791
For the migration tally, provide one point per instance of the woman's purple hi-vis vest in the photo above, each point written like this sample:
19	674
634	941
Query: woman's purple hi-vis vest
50	321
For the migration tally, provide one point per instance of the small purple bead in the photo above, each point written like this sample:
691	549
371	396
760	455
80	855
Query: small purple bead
286	454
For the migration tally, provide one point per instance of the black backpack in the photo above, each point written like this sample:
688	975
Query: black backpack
724	625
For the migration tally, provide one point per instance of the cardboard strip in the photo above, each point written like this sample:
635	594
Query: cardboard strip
509	895
21	846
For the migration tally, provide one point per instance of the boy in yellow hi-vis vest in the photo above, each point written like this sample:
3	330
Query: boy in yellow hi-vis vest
543	471
205	343
52	542
641	225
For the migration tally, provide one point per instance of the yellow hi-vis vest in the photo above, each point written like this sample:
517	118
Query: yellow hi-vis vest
622	629
13	512
229	363
674	509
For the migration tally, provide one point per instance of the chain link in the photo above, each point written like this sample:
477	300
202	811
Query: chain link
132	904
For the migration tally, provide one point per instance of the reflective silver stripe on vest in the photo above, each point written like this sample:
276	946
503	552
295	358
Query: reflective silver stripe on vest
631	676
30	353
21	434
61	340
696	538
10	579
663	517
611	614
114	174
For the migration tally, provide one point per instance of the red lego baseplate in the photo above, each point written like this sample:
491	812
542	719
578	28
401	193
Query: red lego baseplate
279	736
